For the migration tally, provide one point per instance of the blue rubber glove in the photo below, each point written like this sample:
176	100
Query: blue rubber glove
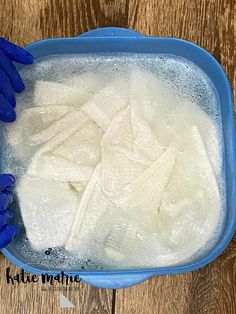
7	232
10	80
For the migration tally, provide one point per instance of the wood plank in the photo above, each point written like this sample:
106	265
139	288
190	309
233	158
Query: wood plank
40	298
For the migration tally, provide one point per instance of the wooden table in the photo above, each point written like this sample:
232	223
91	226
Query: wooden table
208	23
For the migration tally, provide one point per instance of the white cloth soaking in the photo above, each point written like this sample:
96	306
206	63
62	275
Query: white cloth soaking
120	170
75	90
106	104
30	122
46	211
127	177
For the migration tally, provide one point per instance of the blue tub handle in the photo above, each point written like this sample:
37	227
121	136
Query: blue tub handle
112	32
115	281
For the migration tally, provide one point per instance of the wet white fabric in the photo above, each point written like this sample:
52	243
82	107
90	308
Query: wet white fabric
169	114
193	184
121	169
107	103
75	121
189	209
93	205
82	147
146	92
143	195
190	206
94	201
29	123
58	126
60	169
120	242
47	209
178	116
145	142
74	90
128	147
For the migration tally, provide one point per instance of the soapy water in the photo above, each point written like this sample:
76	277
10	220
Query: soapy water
181	98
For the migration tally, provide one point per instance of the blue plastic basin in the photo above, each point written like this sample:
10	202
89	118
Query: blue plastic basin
124	40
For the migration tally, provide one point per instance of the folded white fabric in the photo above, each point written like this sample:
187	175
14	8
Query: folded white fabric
60	169
93	205
107	103
128	148
83	146
45	164
134	158
142	197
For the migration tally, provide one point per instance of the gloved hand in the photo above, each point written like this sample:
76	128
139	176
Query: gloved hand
10	80
7	232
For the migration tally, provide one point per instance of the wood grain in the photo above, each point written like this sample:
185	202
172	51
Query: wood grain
37	298
208	23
